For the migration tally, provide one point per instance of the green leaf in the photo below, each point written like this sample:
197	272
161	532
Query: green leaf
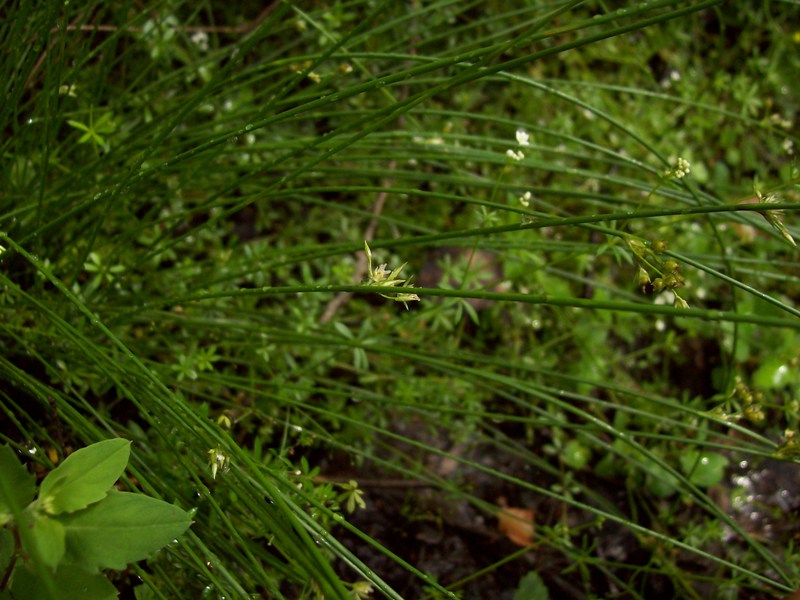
120	529
78	125
7	549
48	536
661	482
104	124
774	373
71	582
703	468
575	454
85	476
17	486
532	587
143	592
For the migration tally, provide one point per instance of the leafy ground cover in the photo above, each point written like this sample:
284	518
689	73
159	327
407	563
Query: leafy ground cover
422	300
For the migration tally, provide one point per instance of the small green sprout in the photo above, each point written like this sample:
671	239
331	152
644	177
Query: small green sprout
352	496
103	272
94	131
381	276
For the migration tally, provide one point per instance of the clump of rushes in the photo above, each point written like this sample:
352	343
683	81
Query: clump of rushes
383	277
669	271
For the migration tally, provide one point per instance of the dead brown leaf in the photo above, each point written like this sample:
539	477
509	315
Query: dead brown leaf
515	523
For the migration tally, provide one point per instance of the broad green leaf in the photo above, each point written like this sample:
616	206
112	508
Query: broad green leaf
17	486
48	536
71	582
532	587
143	592
120	529
703	468
575	454
661	482
774	374
85	476
7	549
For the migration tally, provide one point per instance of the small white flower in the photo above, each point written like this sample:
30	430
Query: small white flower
525	199
681	170
200	39
778	120
523	138
514	154
434	141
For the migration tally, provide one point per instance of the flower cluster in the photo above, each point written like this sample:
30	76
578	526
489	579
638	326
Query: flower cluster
523	140
773	217
383	277
679	171
218	461
669	271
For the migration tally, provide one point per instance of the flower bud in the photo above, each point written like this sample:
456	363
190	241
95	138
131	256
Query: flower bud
671	267
659	246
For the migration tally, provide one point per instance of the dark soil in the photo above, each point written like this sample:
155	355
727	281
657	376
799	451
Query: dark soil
447	537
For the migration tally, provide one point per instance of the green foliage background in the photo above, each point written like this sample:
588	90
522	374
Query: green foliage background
186	191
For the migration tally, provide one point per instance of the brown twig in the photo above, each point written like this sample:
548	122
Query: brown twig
237	29
377	483
361	263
